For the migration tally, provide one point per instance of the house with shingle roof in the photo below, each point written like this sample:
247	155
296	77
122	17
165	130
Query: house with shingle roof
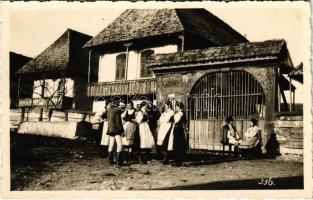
126	43
192	56
60	74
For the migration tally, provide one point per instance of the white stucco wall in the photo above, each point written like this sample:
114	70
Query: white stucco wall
52	86
107	63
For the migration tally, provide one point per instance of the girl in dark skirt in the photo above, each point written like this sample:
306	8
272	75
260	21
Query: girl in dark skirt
130	125
177	141
144	140
166	124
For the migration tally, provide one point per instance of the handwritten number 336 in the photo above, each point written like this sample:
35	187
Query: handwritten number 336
267	181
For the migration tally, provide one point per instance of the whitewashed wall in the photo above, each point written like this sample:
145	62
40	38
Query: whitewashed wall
107	65
98	106
53	86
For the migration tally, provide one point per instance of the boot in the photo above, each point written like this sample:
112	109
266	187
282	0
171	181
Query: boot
148	153
132	156
105	151
142	159
236	152
102	151
160	156
166	160
119	158
111	158
126	157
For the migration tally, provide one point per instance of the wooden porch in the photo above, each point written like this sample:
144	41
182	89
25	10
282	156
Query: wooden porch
141	86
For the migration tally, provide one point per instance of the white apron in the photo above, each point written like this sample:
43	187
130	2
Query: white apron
165	125
105	138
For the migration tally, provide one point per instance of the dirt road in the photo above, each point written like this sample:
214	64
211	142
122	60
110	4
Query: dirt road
40	163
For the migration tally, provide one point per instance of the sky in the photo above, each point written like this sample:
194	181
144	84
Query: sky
33	30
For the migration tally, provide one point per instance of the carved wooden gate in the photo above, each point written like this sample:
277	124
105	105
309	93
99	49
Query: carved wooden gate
218	95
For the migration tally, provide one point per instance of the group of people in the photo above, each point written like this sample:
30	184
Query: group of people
132	132
136	132
231	136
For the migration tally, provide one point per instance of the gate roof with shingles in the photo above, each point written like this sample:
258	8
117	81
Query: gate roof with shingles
60	55
143	23
225	54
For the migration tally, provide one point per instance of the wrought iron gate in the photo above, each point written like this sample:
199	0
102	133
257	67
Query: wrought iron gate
218	95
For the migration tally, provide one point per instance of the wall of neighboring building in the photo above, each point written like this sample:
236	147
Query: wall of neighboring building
75	87
107	63
81	101
52	86
289	134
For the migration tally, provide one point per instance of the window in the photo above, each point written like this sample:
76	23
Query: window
144	71
120	66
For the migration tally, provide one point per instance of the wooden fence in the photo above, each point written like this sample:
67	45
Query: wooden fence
38	114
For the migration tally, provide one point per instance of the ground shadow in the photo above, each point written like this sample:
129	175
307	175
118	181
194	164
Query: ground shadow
199	158
272	147
295	182
31	155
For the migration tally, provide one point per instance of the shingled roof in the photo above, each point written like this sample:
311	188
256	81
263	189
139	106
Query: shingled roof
218	55
143	23
17	61
64	54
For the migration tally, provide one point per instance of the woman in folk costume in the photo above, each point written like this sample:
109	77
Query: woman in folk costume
100	119
153	115
145	141
251	133
115	131
130	125
229	130
166	120
177	138
105	138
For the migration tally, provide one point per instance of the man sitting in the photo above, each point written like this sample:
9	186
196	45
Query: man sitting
229	130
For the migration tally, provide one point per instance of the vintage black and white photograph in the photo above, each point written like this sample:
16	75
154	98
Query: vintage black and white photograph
197	97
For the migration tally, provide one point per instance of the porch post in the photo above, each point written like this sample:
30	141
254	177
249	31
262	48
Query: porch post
127	45
182	37
293	101
290	93
18	92
278	90
43	86
89	65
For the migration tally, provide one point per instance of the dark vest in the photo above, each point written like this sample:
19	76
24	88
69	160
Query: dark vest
129	117
114	121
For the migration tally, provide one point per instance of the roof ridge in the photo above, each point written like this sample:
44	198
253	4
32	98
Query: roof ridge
222	47
135	24
179	19
29	64
69	35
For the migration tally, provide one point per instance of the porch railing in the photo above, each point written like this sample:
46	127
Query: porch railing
142	86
